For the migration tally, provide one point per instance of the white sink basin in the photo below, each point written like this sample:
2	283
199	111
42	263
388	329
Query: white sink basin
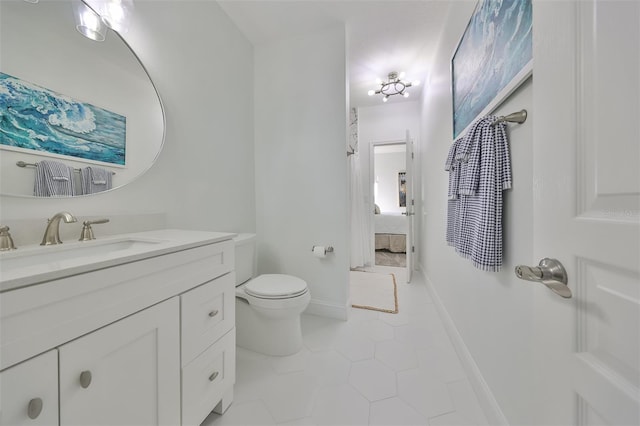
42	255
37	264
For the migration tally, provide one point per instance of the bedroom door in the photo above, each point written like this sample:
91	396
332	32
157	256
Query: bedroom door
410	205
586	161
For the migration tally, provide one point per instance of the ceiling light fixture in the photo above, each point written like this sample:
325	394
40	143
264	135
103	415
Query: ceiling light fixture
394	86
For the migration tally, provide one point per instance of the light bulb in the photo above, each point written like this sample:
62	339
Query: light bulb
371	92
415	83
385	99
401	75
405	94
88	23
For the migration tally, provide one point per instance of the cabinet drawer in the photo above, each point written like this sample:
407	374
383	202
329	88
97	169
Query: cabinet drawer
207	378
30	392
208	312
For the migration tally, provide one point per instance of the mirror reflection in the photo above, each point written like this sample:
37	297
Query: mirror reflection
71	106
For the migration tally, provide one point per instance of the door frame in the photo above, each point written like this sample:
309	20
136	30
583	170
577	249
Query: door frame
371	187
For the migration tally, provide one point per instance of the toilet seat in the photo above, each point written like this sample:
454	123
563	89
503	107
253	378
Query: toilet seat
275	286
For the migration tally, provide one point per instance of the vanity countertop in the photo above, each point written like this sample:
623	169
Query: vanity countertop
36	264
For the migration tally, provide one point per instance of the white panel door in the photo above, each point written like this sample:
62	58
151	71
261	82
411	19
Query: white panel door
587	210
127	373
29	392
410	206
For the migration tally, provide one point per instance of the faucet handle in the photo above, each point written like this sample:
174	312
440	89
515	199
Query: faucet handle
6	242
87	232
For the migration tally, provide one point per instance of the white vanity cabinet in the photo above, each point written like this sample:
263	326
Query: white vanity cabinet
208	348
148	341
125	373
29	392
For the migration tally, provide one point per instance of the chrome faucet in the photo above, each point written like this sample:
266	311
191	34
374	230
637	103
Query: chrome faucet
52	233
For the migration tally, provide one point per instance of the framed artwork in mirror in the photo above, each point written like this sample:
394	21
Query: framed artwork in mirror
402	189
494	57
38	120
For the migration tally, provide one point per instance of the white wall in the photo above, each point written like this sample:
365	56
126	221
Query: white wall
301	163
491	312
387	165
204	177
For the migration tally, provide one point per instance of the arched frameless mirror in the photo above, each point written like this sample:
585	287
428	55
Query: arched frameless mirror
41	49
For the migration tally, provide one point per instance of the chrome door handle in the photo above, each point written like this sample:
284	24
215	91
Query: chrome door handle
549	272
407	214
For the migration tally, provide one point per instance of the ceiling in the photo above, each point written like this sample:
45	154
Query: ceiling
383	35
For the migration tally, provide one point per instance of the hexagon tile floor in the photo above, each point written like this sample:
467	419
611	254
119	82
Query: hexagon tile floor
375	369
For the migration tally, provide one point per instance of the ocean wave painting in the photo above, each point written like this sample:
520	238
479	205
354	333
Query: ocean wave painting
495	50
35	118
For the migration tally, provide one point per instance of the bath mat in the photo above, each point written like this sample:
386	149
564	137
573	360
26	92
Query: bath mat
374	291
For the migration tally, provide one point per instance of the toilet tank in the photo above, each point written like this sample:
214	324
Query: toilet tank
245	253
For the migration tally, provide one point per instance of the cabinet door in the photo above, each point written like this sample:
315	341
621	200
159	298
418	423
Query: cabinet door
29	392
127	373
208	313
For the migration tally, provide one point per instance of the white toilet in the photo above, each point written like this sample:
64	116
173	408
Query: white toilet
268	307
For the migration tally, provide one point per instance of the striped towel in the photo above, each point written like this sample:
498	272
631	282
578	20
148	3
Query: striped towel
95	179
54	179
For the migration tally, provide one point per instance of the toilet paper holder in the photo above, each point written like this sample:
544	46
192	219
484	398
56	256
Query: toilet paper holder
327	249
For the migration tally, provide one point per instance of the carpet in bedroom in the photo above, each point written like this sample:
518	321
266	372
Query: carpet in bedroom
387	258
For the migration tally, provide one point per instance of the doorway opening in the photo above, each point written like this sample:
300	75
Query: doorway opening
390	230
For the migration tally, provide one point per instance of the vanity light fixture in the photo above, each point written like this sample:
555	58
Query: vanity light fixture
394	86
88	23
94	16
116	14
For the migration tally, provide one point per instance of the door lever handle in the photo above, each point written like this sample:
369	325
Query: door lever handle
549	272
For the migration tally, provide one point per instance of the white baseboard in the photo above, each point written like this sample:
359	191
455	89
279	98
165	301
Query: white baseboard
487	401
325	309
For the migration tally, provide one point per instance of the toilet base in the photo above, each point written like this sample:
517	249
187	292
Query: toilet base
266	335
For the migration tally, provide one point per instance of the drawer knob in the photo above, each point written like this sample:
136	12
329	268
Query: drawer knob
213	376
34	408
213	313
85	379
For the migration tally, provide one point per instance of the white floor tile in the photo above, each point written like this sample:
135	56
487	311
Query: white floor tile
466	403
424	393
329	367
375	368
441	360
291	396
450	419
373	379
307	421
396	355
401	318
355	347
396	412
340	405
374	328
252	413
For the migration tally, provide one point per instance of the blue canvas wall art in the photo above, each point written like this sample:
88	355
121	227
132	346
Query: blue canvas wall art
38	119
494	56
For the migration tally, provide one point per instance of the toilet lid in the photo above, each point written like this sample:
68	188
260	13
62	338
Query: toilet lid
275	286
